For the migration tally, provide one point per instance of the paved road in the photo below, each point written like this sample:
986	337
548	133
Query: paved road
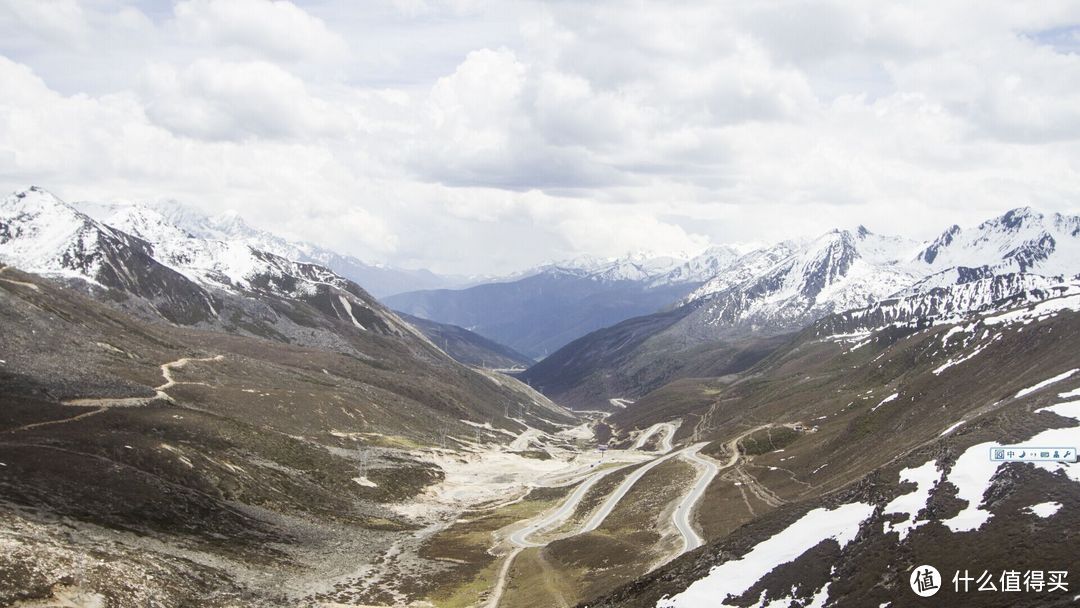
683	513
665	444
613	500
682	517
560	515
520	539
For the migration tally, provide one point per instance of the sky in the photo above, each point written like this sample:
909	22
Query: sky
476	137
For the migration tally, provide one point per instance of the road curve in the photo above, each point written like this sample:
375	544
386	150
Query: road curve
683	512
682	516
665	444
520	538
613	500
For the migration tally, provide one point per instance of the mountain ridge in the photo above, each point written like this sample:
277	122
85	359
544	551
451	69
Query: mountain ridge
785	287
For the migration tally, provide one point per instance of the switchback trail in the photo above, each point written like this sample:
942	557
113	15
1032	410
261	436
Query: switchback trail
106	403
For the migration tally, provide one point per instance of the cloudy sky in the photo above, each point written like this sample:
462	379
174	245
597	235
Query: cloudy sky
473	136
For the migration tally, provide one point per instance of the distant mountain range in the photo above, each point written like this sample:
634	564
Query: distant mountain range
785	287
604	328
541	310
163	219
468	347
852	459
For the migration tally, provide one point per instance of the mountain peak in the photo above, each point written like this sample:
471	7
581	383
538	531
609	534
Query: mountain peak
1015	218
38	195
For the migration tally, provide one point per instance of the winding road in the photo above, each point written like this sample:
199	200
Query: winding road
681	517
665	444
520	538
613	500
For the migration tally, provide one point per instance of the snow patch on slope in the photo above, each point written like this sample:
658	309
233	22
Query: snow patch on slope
734	577
1044	509
974	470
1045	383
924	477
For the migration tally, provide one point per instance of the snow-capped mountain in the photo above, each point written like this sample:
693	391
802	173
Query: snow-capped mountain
949	303
42	234
229	226
857	280
653	268
1022	240
186	278
790	284
786	285
703	267
635	266
743	268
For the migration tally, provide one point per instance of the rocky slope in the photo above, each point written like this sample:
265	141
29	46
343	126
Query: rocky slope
150	266
468	347
194	466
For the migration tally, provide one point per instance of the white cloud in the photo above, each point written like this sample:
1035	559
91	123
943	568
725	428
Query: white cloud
215	99
276	28
472	136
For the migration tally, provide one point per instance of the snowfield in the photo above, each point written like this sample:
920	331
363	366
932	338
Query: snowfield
736	576
925	478
891	397
1045	509
1046	383
974	470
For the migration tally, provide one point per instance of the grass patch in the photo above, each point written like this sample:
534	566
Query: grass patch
391	441
535	454
534	582
768	440
464	547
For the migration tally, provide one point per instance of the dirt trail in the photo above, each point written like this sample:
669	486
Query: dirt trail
27	427
500	582
550	578
3	269
167	369
105	403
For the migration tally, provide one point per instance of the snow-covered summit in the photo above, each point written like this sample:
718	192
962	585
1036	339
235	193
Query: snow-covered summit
43	234
1021	240
790	284
634	266
136	248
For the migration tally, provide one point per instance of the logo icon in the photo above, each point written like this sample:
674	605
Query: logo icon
925	581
